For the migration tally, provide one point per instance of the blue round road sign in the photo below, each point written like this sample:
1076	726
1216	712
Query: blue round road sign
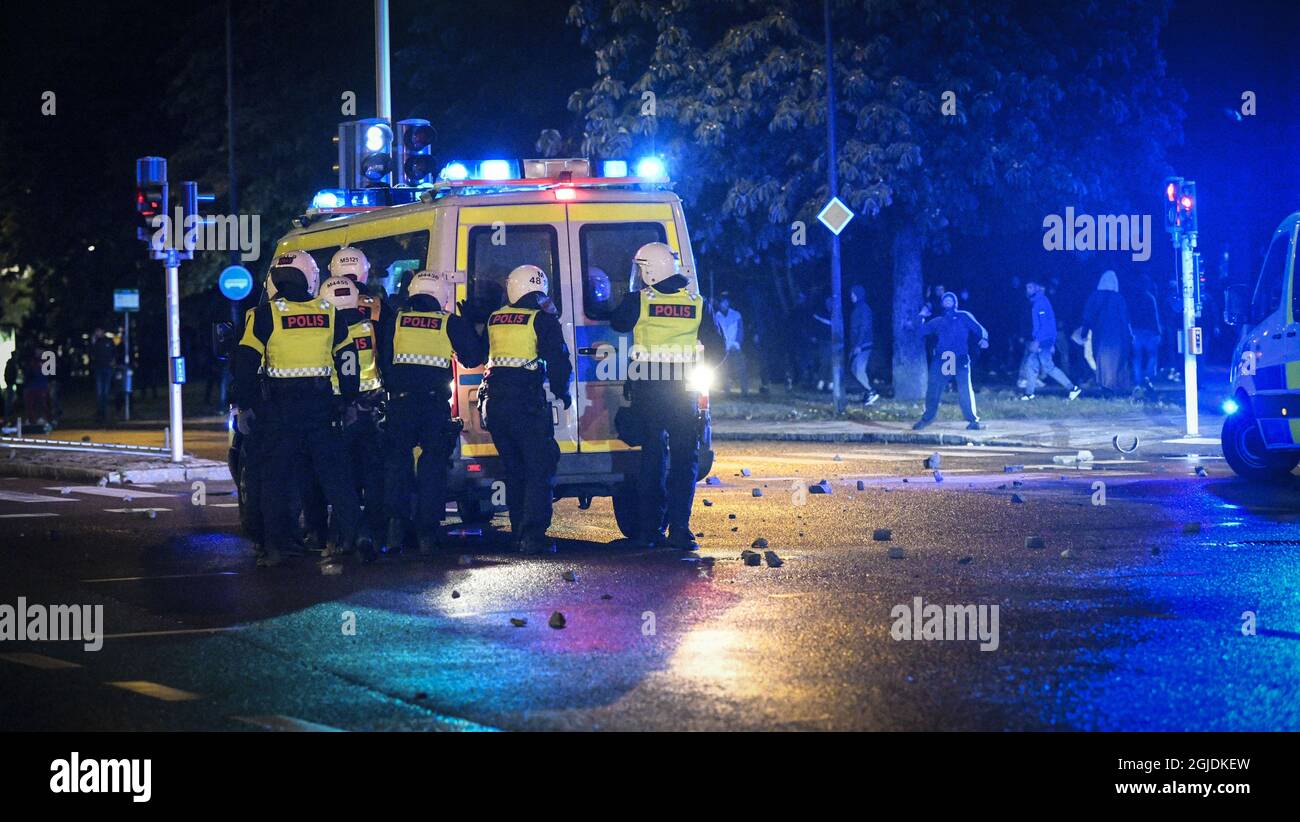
236	282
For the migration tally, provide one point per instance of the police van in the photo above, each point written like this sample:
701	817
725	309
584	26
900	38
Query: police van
481	220
1261	432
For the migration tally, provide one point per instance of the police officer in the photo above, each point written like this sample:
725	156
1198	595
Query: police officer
416	345
295	348
351	262
361	415
525	350
669	342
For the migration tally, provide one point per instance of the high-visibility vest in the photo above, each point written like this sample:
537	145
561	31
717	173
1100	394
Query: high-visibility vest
420	338
249	339
363	334
302	339
668	328
512	338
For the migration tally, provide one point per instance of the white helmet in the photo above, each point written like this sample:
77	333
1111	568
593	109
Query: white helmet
350	262
525	280
656	262
341	291
300	261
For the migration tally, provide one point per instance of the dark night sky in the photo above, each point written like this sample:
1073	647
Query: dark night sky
104	61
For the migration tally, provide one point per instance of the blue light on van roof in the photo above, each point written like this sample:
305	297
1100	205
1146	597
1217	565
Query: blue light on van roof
613	168
327	198
496	170
651	168
454	171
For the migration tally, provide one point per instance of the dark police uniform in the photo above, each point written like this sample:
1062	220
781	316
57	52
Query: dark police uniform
297	347
252	462
416	345
525	348
666	327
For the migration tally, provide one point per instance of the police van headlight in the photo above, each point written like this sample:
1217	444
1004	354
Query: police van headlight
700	378
1230	407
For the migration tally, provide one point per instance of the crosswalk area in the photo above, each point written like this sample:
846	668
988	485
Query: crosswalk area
27	499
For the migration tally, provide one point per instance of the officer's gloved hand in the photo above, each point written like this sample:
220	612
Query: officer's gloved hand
349	415
566	399
244	421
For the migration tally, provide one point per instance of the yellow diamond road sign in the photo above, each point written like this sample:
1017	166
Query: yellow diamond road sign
835	215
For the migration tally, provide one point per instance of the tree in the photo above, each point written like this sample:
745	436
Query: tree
1050	105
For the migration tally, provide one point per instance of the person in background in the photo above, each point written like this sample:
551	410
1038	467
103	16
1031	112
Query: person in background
36	387
1105	314
1041	345
861	341
10	410
103	363
731	327
1146	333
952	331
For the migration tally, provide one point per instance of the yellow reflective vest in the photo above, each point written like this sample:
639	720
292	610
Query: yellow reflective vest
301	343
668	328
420	338
512	338
363	334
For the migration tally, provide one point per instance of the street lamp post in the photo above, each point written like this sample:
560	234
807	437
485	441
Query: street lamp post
832	170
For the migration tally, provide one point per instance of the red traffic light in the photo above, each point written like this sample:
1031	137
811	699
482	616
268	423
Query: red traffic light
1171	191
1186	203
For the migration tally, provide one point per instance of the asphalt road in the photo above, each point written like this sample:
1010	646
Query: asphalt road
1138	626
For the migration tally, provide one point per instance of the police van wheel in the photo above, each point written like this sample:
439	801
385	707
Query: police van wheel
626	512
1244	451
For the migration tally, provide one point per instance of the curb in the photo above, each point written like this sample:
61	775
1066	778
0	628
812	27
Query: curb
208	470
898	438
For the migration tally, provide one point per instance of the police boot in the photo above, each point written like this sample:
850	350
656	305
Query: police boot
682	540
396	535
534	544
366	548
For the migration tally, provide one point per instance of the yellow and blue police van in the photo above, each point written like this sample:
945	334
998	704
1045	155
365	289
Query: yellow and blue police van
1261	430
481	220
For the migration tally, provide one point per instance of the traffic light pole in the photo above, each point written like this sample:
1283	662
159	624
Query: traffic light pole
171	265
126	376
1184	245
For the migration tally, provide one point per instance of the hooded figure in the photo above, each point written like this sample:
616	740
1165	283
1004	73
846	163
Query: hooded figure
1105	314
952	331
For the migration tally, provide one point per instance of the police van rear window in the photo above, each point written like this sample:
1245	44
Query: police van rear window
607	252
495	252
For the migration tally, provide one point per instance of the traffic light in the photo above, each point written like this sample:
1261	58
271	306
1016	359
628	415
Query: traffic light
414	160
365	154
190	232
1187	206
1173	186
150	197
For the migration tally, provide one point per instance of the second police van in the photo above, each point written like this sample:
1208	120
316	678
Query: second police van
1261	432
483	220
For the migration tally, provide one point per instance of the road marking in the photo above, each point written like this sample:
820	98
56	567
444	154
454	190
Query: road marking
119	493
278	722
177	632
135	510
45	663
26	516
223	505
19	496
166	576
155	690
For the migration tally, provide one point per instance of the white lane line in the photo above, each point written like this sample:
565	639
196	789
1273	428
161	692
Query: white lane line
176	632
45	663
26	516
19	496
135	510
166	576
278	722
154	689
223	505
119	493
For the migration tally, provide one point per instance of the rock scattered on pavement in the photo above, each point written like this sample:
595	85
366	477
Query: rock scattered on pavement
773	561
823	487
455	594
759	544
862	486
1035	542
751	557
965	560
758	492
569	576
557	620
518	622
1192	528
882	535
708	503
896	552
1017	499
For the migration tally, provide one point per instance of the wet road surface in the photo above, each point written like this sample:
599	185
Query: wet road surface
1129	616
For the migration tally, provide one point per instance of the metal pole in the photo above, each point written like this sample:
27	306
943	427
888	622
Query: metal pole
172	268
832	160
383	98
126	377
1189	321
